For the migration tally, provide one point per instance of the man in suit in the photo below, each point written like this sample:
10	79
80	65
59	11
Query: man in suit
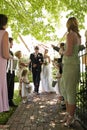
36	61
10	76
60	50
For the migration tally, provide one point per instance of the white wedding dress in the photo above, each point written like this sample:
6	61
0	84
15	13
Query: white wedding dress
46	77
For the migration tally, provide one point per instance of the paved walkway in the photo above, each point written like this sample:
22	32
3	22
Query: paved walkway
42	113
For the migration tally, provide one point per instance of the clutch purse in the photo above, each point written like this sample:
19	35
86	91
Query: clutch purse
54	83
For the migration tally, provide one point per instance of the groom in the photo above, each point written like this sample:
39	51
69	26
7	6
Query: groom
36	61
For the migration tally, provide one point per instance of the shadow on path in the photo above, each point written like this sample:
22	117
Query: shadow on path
42	113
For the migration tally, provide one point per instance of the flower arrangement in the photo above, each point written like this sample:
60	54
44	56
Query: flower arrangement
46	62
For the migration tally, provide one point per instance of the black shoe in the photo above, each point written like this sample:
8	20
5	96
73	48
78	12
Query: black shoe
38	93
11	104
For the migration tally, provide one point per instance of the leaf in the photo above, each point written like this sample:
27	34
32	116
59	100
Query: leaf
39	17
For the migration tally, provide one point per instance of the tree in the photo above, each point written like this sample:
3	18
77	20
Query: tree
40	18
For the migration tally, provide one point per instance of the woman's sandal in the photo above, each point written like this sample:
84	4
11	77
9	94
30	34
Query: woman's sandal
65	118
70	121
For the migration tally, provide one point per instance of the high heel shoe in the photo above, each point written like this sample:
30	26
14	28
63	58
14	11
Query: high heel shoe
65	118
70	121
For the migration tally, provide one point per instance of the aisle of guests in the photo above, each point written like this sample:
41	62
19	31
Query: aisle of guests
40	66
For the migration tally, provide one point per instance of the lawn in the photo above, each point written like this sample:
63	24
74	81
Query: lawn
6	115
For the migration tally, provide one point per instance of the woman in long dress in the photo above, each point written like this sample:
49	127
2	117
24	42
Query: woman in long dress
21	66
4	55
71	70
46	76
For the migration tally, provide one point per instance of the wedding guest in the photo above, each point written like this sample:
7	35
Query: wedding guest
71	69
11	75
60	50
21	65
26	86
4	55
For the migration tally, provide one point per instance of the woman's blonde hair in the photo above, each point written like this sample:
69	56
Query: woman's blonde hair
17	53
72	24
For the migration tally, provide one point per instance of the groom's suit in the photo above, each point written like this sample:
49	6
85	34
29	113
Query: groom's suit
35	64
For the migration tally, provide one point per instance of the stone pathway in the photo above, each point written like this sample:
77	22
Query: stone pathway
42	113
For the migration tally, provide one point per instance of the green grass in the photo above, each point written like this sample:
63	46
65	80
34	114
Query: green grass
30	77
6	115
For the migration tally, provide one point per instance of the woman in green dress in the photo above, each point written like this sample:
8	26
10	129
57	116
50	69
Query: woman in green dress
71	70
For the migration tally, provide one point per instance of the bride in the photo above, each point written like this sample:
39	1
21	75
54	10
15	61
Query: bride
46	74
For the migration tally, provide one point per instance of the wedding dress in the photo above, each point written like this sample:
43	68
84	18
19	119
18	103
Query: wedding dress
46	76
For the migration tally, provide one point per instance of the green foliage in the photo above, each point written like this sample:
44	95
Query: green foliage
82	96
16	78
6	115
39	17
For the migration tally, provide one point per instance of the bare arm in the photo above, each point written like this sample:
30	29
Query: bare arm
49	59
24	80
5	46
22	64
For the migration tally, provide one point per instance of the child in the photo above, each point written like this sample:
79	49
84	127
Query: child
58	77
57	85
26	87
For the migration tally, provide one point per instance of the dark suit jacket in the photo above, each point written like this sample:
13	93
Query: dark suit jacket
38	60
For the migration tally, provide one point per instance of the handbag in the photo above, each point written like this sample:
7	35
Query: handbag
54	83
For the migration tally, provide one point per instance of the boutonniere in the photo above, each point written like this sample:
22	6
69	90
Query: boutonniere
38	55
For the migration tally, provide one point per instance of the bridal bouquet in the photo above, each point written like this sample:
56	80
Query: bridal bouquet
45	62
